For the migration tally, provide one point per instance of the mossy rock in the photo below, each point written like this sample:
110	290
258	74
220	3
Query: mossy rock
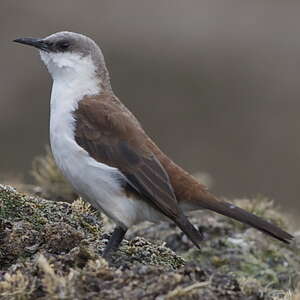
52	250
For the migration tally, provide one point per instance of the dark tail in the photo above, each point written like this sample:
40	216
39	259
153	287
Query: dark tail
208	201
188	228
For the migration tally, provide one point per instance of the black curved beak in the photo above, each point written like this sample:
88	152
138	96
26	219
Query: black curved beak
37	43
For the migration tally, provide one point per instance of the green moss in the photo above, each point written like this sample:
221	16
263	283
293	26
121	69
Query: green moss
10	203
52	250
272	264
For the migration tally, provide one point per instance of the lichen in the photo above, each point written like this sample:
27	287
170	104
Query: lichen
52	250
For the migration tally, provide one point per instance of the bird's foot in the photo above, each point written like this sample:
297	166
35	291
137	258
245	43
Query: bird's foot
114	242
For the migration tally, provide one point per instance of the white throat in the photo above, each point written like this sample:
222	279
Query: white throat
74	77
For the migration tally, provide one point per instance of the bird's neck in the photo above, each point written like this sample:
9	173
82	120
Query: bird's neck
70	87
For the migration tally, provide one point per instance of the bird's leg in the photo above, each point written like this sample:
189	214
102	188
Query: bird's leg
114	241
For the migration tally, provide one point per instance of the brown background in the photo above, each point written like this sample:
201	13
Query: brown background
215	83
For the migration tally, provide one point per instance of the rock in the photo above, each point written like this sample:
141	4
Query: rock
52	250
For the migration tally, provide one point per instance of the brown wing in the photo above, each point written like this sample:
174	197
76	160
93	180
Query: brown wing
110	135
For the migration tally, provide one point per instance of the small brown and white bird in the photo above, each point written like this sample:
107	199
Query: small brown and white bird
106	155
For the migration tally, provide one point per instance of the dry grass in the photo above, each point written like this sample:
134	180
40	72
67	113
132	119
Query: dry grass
50	179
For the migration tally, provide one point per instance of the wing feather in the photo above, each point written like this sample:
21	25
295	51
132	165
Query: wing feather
111	138
111	135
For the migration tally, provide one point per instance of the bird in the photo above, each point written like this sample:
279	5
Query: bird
103	151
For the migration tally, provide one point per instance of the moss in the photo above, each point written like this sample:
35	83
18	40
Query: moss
243	252
52	250
272	264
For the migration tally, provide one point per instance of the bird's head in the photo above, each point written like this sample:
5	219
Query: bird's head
69	54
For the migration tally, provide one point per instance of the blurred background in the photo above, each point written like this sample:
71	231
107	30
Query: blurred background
215	83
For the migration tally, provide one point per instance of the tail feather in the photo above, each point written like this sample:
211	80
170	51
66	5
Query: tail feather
191	194
188	228
239	214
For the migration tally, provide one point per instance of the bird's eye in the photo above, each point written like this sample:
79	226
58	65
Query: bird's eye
63	45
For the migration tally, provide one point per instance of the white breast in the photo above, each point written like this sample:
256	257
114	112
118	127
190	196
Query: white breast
96	182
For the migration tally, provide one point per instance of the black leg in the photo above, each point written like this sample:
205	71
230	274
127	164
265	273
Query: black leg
114	241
